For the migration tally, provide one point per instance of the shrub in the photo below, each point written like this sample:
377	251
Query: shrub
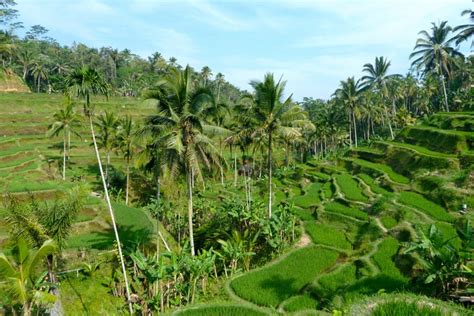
277	282
419	202
350	187
325	235
379	206
345	210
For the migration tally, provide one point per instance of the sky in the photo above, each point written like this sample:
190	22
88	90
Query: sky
313	44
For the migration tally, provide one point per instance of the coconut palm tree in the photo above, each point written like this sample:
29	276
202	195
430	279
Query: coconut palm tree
20	274
466	31
349	94
433	53
272	113
125	142
67	121
206	74
85	82
180	125
378	79
39	72
107	124
25	57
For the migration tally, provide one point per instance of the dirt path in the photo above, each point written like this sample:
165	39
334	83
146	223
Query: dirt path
304	241
380	225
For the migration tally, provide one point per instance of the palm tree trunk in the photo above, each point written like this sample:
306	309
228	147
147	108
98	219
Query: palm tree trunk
445	94
189	176
112	216
64	156
127	185
39	84
107	164
68	143
270	193
355	128
350	128
389	123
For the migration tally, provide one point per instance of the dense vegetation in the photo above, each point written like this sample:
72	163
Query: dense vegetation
138	185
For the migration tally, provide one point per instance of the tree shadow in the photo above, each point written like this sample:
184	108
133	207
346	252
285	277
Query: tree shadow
279	287
130	238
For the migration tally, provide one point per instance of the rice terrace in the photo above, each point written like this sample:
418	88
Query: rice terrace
323	166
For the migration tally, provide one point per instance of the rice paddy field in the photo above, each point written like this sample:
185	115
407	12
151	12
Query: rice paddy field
351	242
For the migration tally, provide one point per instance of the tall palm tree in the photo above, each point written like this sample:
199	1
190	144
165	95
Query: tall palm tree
180	125
84	82
39	72
378	79
433	53
125	144
271	112
206	74
466	31
25	58
219	81
20	274
107	124
349	94
66	120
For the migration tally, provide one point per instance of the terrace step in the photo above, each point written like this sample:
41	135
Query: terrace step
377	169
461	121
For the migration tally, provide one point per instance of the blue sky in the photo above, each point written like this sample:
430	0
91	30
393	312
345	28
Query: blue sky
313	44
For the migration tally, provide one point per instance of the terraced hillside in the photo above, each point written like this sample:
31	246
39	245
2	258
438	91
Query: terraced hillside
357	213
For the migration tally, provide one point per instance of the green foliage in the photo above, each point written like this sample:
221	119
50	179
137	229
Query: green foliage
374	187
278	281
419	202
326	235
345	210
350	187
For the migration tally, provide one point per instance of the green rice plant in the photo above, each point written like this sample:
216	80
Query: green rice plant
421	203
310	198
350	187
331	283
388	221
345	210
278	281
388	248
374	187
382	169
326	235
221	310
401	308
303	214
299	303
328	190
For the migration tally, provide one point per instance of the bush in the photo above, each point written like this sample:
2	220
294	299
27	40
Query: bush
277	282
325	235
419	202
350	188
345	210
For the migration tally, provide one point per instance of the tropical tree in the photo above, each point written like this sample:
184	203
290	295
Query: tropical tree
206	74
107	124
66	120
39	72
85	82
465	31
349	94
377	78
20	274
125	143
433	53
273	114
180	124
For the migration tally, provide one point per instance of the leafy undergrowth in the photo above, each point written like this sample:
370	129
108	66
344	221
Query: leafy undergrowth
419	202
278	281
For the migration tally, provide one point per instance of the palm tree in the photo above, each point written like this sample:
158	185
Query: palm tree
466	31
25	57
219	80
180	125
349	94
84	82
378	79
39	72
433	53
206	74
271	111
125	143
66	120
20	274
107	124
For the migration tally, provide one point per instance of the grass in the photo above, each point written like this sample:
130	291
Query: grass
383	169
388	221
350	188
221	310
401	308
277	282
345	210
330	284
421	203
326	235
300	302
